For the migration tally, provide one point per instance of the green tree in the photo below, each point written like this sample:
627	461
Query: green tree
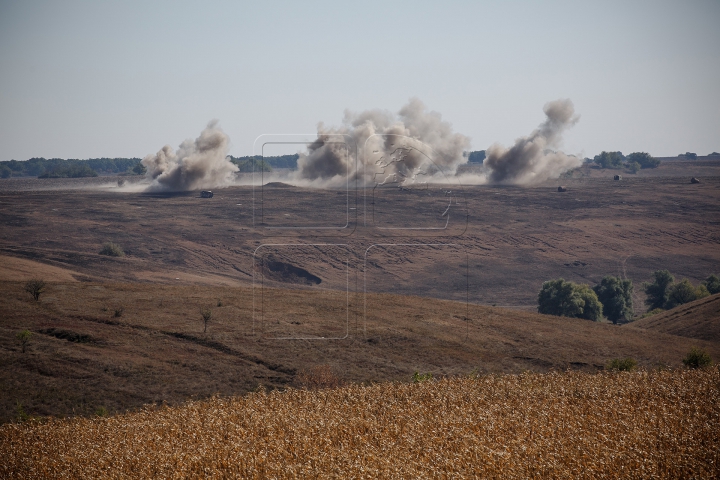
712	284
609	159
633	167
657	295
644	159
567	299
615	294
684	292
139	169
5	171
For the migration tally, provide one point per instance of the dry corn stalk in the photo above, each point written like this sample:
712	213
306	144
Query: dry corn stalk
660	424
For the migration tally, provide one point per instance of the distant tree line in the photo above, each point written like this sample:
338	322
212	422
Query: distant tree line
259	163
633	162
62	168
612	297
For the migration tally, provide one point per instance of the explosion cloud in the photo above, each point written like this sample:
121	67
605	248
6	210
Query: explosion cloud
201	163
530	160
327	160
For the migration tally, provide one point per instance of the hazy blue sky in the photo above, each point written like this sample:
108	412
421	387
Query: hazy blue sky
93	79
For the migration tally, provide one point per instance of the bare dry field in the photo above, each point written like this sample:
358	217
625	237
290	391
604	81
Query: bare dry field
184	253
660	424
514	238
83	358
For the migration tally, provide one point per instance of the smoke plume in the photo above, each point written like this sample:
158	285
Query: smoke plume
414	135
196	164
530	160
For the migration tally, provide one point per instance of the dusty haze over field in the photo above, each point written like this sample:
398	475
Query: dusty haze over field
416	145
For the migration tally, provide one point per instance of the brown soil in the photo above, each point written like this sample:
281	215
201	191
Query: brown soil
184	253
514	238
83	356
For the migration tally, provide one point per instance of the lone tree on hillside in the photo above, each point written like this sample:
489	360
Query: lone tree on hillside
23	338
657	295
568	299
206	316
35	288
615	294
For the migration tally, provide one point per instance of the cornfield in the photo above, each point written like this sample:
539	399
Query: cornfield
646	424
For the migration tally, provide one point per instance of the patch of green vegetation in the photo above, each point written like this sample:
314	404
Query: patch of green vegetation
697	358
622	364
112	250
421	377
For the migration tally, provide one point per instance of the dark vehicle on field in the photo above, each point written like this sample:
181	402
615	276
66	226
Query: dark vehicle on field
206	194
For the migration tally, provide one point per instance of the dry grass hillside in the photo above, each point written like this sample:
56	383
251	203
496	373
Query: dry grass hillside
516	237
111	347
660	424
699	319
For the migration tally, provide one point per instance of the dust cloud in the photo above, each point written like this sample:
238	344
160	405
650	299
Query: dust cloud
531	159
419	133
197	164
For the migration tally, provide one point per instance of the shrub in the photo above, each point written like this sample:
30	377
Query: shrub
112	250
615	294
5	171
421	377
697	358
622	364
567	299
712	284
118	312
633	167
35	288
656	291
23	337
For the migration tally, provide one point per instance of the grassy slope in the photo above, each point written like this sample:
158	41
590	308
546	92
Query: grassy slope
699	319
156	350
